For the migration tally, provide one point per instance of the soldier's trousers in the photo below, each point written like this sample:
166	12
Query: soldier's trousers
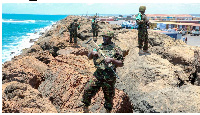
73	34
143	40
93	86
95	34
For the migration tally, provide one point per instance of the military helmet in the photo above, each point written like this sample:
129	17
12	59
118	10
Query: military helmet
108	33
142	8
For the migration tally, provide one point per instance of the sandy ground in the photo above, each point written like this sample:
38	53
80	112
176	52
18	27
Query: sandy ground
192	40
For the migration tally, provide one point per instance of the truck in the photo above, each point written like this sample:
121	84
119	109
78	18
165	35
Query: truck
194	33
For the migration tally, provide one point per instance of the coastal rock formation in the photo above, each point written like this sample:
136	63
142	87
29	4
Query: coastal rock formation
22	98
178	53
50	76
25	69
157	83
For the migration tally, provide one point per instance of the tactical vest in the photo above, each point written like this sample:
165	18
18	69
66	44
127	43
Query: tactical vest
94	25
74	26
144	25
108	50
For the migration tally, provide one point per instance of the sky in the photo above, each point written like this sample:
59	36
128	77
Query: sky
101	8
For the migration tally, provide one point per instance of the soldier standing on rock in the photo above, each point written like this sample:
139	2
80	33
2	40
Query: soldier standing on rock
73	31
95	28
143	22
103	76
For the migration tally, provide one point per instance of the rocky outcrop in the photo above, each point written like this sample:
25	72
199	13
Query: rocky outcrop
25	69
53	73
177	52
22	98
59	71
156	83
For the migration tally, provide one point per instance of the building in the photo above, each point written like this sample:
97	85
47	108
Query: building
167	17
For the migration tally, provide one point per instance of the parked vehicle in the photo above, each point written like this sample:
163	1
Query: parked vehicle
181	31
172	30
129	25
126	25
188	31
156	29
194	33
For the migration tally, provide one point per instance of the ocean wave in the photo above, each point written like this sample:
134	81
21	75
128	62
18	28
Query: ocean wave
12	49
23	21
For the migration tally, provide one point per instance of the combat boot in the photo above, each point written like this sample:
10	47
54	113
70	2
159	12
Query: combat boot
95	39
147	52
141	51
108	111
76	45
85	109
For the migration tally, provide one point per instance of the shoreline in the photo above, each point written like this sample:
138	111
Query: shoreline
26	42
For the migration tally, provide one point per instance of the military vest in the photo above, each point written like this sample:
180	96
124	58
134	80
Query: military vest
74	26
144	25
109	51
94	25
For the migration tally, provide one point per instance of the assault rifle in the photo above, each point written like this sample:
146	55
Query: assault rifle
102	55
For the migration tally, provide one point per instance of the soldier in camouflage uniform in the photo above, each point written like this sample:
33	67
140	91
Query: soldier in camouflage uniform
95	28
103	76
143	22
73	31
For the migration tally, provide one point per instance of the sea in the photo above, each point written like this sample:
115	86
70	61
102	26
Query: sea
19	29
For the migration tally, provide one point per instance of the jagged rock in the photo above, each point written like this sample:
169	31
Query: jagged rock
152	80
70	73
176	51
33	48
37	52
25	70
22	98
75	51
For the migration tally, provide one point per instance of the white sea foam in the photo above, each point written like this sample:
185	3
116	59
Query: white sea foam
18	21
23	21
13	50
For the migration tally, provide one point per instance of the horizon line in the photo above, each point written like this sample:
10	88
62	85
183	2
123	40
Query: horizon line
95	13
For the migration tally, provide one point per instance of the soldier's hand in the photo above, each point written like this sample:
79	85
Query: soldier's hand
108	60
95	53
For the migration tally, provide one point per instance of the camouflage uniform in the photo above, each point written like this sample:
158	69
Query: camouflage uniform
142	30
95	28
73	30
103	77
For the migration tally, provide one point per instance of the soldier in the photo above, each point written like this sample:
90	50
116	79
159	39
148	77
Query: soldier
73	31
95	28
143	22
103	76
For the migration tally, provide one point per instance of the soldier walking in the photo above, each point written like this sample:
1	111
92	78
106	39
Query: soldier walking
103	76
73	31
143	22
